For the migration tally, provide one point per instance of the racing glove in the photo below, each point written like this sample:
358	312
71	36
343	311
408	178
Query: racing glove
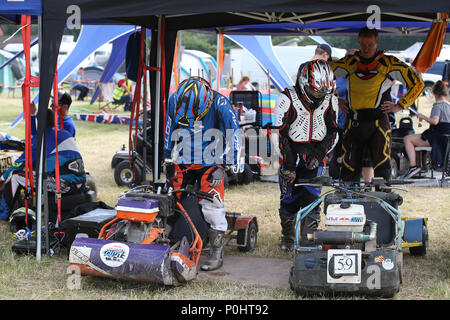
311	163
215	177
286	177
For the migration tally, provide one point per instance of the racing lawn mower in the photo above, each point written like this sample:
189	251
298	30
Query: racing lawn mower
360	250
155	237
123	170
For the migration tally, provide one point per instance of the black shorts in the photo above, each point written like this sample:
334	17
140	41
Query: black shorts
366	144
426	135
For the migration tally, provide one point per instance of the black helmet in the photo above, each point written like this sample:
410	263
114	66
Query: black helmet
17	226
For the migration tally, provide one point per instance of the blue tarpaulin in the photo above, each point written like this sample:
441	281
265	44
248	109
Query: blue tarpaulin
90	39
116	58
10	8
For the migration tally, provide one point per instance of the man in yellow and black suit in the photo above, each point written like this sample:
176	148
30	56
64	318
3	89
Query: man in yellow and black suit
366	145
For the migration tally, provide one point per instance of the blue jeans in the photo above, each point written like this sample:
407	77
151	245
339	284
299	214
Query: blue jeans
126	99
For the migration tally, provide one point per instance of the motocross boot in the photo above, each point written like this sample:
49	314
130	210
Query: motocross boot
215	261
288	231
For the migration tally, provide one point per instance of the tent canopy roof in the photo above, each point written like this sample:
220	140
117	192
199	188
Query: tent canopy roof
193	14
326	28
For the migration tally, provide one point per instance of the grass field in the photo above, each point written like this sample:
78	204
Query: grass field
22	277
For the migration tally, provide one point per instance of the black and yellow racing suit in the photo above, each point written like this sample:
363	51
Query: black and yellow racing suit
367	133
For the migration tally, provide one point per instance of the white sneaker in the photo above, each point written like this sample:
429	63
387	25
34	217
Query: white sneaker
412	171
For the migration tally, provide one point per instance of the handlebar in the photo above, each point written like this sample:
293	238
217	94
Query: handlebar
190	189
141	191
328	181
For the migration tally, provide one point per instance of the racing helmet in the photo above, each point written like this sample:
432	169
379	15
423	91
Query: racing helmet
194	97
316	80
20	226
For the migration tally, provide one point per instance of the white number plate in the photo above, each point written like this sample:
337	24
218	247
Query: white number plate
344	266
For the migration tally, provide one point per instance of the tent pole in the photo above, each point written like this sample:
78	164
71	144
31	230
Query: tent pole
39	188
157	105
144	109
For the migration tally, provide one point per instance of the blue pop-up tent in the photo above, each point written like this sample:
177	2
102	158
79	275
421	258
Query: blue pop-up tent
90	39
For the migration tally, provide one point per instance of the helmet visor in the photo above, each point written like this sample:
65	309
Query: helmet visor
314	93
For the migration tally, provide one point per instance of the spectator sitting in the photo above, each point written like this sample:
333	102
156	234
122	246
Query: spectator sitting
76	82
122	93
439	121
245	85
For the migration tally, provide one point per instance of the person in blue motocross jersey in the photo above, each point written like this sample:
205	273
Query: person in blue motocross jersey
72	174
306	118
201	137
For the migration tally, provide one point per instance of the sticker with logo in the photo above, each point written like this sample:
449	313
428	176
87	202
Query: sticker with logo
387	264
114	254
378	259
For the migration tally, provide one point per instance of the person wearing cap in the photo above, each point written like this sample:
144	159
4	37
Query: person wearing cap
122	93
76	83
64	102
366	143
323	52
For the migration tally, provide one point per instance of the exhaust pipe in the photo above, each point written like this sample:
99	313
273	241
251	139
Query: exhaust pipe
343	237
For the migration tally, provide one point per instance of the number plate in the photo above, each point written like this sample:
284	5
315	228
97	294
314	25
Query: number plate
344	266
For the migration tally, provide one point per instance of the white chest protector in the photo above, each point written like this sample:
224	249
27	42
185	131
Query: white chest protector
308	126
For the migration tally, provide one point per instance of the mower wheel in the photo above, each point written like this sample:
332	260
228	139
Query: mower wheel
123	173
422	250
252	237
247	175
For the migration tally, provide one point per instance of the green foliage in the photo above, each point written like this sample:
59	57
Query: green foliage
205	42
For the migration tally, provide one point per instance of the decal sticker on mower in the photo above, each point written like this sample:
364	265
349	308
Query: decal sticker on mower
79	255
344	266
388	264
114	254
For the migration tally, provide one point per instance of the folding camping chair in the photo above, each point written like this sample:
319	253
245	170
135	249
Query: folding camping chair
106	93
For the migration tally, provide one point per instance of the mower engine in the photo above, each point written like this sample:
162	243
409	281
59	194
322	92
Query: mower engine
345	217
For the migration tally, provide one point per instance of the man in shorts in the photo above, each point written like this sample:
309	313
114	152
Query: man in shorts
366	145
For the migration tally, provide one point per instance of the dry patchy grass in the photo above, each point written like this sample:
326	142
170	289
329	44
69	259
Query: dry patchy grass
21	277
